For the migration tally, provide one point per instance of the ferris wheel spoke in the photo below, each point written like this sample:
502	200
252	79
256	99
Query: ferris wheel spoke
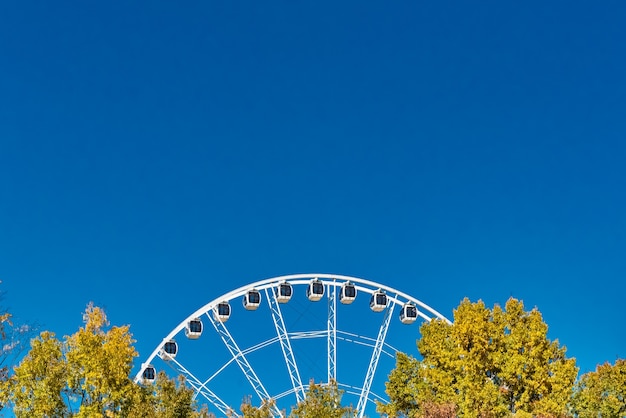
285	345
332	332
371	370
201	388
215	400
241	359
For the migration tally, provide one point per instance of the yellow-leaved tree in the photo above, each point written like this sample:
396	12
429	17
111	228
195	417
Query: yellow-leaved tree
88	375
13	339
266	410
322	401
487	363
99	362
602	393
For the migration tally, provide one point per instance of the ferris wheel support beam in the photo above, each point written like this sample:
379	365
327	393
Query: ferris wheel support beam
241	359
215	400
332	333
371	370
200	388
285	345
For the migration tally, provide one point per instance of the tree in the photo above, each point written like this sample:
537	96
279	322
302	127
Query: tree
99	363
322	401
38	386
12	342
169	398
263	411
602	393
12	339
488	363
87	375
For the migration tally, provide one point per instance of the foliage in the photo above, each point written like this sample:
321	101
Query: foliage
87	375
169	398
38	386
322	401
435	410
12	338
12	342
488	363
98	365
602	393
250	411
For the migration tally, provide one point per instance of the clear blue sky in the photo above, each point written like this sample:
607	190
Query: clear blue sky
154	156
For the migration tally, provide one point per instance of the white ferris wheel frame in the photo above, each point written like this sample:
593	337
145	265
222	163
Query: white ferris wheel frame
331	283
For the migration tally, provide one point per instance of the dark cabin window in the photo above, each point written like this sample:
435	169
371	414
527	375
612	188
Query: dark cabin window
148	373
318	288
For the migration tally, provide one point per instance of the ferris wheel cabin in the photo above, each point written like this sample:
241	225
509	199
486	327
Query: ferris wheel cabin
408	315
315	290
193	329
169	350
348	293
252	300
283	292
222	312
148	375
378	301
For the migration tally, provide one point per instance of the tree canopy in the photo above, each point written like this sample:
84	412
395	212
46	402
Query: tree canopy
487	363
602	393
87	375
13	339
322	401
250	411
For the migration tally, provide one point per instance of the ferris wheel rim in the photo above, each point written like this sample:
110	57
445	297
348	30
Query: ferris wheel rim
326	278
395	296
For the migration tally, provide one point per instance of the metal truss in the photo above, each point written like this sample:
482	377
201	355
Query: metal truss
371	370
241	359
285	345
332	333
201	389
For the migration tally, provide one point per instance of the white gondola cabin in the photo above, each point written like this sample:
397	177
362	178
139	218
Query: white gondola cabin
193	329
222	312
252	300
378	301
348	293
315	290
169	350
283	292
148	375
408	315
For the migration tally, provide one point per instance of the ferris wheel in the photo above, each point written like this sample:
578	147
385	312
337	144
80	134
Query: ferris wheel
270	338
